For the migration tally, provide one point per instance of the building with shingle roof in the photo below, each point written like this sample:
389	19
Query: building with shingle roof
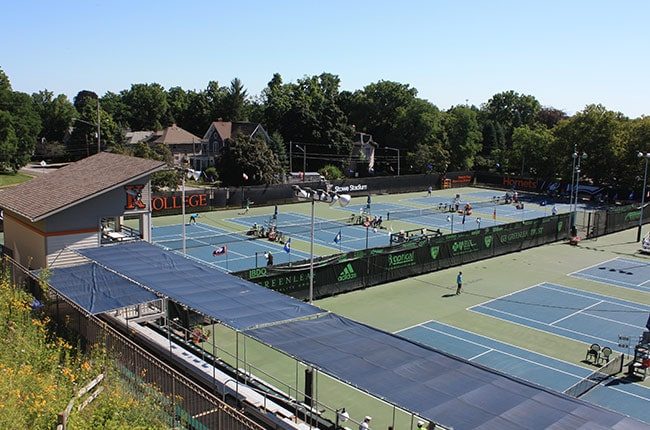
220	132
79	205
181	143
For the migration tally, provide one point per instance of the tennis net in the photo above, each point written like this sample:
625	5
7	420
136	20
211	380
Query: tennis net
318	225
440	208
198	241
601	375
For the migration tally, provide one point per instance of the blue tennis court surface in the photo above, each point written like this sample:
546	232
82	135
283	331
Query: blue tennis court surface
571	313
630	399
621	272
242	252
297	226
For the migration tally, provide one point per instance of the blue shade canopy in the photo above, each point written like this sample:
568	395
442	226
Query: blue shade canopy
436	386
96	289
235	302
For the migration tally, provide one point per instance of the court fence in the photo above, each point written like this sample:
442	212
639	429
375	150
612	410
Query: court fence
185	404
415	254
209	199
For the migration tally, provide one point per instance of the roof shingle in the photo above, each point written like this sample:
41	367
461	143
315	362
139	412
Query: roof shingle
39	197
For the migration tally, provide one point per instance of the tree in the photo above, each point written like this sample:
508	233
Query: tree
511	110
331	172
550	117
378	108
236	102
82	142
598	132
464	136
532	149
278	147
165	179
250	156
146	106
20	125
56	114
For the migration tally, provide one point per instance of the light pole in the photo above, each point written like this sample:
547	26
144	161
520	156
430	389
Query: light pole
183	168
577	157
398	163
646	156
314	196
304	160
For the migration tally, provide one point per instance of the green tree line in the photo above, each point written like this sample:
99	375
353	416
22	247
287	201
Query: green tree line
509	133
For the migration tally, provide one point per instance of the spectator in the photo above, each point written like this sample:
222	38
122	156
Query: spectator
365	424
269	259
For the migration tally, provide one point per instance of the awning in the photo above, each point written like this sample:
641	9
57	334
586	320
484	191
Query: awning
96	289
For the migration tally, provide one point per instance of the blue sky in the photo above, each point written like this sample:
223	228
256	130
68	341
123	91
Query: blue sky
565	53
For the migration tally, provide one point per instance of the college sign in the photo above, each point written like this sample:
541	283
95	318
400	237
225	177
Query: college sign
175	201
134	197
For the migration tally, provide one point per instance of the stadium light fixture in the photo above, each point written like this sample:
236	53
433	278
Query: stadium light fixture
646	156
314	196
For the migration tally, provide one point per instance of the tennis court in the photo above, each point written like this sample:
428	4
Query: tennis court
621	272
571	313
297	226
241	252
543	370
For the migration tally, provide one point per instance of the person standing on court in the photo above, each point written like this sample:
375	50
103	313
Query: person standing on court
365	424
459	282
554	210
429	191
193	218
269	259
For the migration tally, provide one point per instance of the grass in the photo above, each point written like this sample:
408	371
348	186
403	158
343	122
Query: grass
7	179
40	372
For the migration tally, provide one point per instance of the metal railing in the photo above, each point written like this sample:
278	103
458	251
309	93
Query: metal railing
187	404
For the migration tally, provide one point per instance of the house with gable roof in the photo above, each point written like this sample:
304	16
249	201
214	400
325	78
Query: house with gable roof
182	144
219	132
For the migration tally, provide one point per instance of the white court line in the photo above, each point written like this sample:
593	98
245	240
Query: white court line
614	321
518	347
483	353
507	295
503	352
547	331
603	280
577	293
592	266
506	343
576	312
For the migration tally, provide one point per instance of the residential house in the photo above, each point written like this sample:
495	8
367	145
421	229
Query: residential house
362	155
220	131
182	144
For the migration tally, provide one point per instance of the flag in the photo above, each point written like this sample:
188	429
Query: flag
245	176
287	246
337	238
220	250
